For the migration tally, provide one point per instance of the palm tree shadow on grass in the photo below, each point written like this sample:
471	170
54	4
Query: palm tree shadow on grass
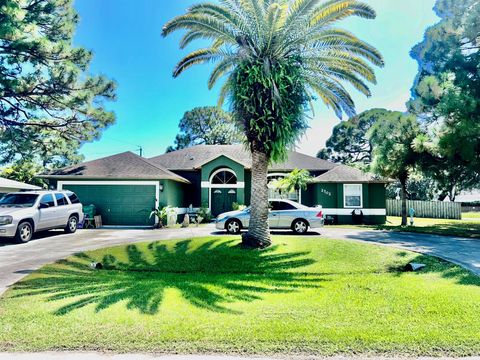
211	276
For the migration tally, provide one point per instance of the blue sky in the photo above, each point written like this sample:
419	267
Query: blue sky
125	38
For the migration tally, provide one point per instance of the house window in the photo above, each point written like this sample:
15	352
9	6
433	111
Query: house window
352	195
224	177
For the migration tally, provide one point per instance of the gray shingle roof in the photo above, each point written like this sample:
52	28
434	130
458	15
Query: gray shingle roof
347	174
12	185
195	157
126	165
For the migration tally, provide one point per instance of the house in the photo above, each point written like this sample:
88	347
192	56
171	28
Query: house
7	186
126	187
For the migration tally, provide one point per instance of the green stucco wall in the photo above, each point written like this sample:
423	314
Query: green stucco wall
173	194
330	196
218	163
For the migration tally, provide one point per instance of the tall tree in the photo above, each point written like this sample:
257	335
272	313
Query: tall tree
275	55
446	94
49	104
395	155
208	125
349	143
24	171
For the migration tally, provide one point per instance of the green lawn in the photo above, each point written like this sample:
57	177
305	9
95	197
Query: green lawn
471	215
463	228
302	296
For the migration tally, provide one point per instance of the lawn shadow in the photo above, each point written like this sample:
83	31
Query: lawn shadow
210	276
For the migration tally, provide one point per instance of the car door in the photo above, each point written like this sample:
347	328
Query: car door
273	214
286	214
47	212
62	210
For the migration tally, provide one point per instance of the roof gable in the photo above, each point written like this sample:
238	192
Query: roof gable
196	156
126	165
347	174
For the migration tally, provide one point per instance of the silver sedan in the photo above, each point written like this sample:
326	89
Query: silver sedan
283	214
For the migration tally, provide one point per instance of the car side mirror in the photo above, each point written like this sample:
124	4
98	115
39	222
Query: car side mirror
43	206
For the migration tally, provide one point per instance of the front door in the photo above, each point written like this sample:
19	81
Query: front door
222	200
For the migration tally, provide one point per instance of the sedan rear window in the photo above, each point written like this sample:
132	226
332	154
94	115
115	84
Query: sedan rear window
18	200
281	205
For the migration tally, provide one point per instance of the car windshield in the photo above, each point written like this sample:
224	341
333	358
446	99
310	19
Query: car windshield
18	200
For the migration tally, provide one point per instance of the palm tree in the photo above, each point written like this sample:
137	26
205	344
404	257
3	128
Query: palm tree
275	56
297	180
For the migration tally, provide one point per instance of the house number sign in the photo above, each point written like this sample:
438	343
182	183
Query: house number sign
328	193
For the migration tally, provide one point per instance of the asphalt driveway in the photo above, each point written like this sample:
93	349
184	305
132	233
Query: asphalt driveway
18	260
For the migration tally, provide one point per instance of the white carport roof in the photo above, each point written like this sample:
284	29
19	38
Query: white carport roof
7	185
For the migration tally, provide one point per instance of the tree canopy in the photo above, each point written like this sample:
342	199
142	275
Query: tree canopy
207	125
350	143
446	94
395	154
49	102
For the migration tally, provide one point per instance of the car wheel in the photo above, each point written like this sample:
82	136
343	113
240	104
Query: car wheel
71	225
24	232
233	227
300	226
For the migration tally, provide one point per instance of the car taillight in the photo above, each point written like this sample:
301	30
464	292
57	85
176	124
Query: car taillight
320	214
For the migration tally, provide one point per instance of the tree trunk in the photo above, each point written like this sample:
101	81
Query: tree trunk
258	235
403	184
453	193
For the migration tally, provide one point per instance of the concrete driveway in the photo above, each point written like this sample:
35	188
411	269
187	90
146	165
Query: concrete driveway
18	260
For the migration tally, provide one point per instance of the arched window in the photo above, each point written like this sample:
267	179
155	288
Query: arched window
223	177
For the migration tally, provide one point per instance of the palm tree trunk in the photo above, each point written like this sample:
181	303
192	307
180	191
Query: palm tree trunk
403	183
258	235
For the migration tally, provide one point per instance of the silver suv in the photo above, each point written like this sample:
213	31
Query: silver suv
24	213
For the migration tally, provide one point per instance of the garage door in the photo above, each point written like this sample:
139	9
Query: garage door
118	204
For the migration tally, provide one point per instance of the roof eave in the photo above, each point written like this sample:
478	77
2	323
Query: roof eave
318	181
106	178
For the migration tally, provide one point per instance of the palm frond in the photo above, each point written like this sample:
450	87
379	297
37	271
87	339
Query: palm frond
336	10
196	57
275	17
221	13
208	26
224	92
221	69
354	47
189	37
332	93
345	60
298	10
